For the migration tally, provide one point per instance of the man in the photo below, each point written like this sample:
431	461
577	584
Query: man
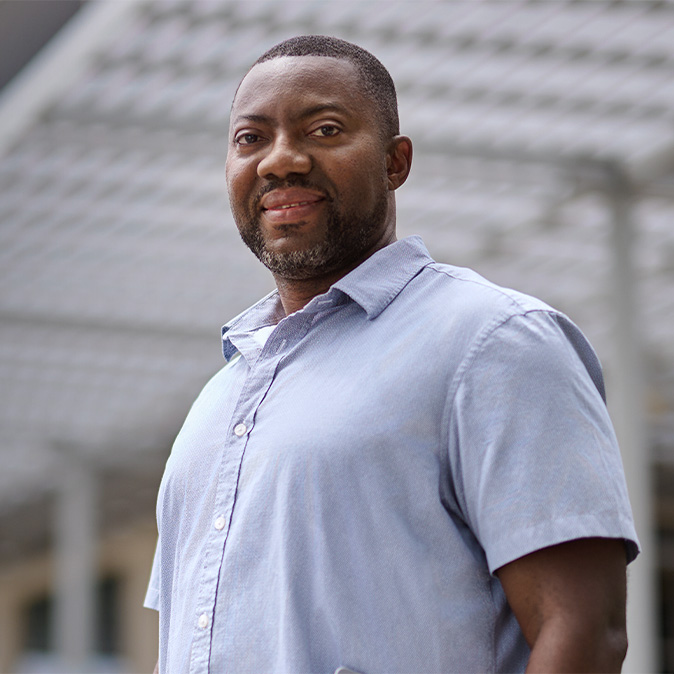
402	467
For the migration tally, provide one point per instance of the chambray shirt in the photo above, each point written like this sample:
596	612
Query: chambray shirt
342	494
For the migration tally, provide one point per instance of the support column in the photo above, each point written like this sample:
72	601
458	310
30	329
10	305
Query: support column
626	404
75	564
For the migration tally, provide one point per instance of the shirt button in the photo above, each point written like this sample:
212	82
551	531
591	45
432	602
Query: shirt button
219	523
203	621
240	429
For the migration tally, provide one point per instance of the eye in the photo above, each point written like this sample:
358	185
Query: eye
326	131
246	139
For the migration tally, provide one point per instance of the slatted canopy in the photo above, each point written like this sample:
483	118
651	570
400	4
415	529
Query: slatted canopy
120	259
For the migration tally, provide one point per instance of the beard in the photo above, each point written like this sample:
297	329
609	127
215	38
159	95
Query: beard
348	237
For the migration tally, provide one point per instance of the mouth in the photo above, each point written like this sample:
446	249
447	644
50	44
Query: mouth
297	204
290	197
291	205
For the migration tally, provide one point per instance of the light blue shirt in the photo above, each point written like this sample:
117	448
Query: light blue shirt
342	494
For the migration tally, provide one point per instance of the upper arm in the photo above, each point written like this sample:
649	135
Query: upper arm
575	591
533	458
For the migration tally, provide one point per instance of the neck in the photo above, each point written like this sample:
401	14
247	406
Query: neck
297	293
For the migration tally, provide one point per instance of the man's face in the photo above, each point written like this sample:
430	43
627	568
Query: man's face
307	167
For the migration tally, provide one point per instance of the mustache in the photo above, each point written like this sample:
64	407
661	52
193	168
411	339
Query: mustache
299	181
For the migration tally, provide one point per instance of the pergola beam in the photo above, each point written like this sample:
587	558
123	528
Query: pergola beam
60	63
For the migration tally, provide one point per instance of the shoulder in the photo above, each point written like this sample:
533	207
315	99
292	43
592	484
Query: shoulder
489	324
468	289
461	302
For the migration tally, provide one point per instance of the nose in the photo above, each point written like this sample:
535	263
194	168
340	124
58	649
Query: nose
285	156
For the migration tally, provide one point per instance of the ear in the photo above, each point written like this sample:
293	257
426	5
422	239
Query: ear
398	161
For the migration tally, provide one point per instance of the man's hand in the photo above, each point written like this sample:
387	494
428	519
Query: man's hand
569	600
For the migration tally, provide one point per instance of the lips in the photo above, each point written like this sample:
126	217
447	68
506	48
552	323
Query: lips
290	198
295	205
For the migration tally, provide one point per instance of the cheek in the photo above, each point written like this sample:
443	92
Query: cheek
240	180
365	177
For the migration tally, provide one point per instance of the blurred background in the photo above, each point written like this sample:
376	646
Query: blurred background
544	158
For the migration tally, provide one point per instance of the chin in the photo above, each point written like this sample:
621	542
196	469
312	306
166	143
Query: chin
315	249
299	264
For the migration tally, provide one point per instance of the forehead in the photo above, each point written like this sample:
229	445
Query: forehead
293	83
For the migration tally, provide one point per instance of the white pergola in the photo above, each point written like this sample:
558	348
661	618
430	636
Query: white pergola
544	158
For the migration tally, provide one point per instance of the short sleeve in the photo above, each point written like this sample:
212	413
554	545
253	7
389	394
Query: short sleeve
533	454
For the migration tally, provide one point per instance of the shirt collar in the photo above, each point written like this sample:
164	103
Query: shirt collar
267	311
377	282
373	285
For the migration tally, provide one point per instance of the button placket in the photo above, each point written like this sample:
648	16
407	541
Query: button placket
255	387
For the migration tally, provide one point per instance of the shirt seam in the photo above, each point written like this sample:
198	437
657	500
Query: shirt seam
510	296
479	343
464	366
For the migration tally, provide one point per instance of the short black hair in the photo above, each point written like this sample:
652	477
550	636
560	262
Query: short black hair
377	81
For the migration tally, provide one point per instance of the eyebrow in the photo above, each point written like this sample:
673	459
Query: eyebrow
323	107
252	118
307	112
